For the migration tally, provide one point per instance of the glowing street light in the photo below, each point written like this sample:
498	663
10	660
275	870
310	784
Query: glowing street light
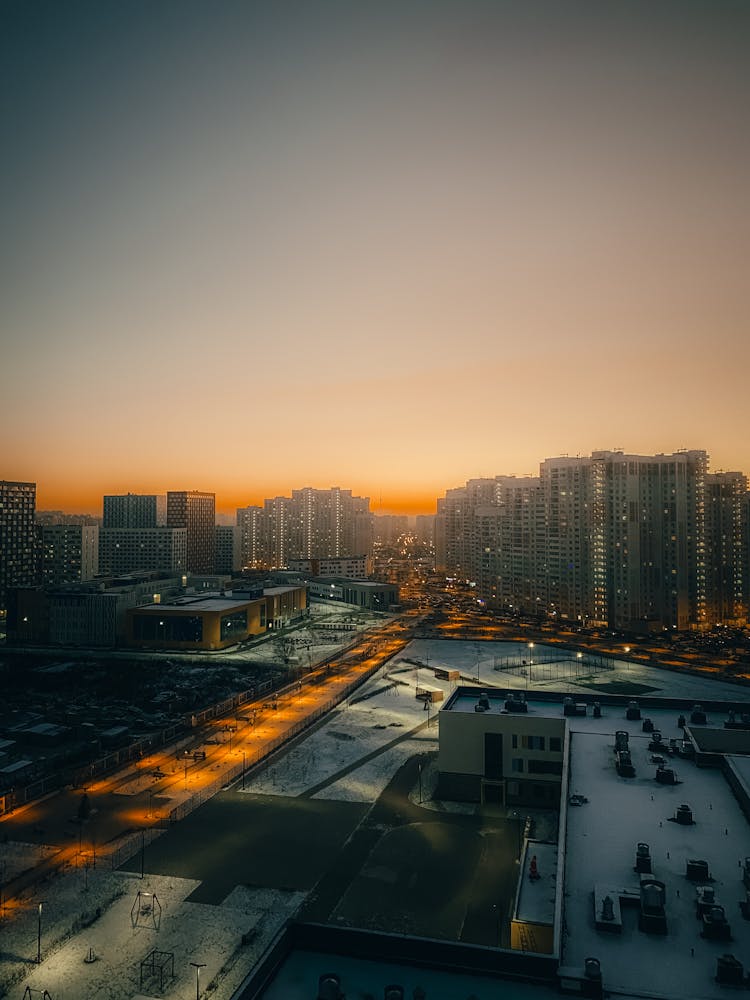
39	935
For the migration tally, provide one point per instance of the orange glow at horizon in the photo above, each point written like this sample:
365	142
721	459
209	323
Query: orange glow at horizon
369	246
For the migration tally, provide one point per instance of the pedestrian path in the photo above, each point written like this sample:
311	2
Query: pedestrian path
332	779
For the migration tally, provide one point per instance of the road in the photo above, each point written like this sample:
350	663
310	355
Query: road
142	795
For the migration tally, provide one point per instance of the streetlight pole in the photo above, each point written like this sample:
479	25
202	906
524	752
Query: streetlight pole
198	966
39	936
244	759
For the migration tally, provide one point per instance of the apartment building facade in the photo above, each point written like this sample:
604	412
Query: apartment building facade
68	553
196	513
17	537
630	541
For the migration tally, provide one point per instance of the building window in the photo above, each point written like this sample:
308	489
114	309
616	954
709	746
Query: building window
555	744
533	743
545	767
514	741
517	764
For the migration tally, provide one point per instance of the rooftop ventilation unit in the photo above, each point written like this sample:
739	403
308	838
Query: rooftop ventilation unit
648	726
684	815
571	707
632	712
715	924
729	971
656	743
516	702
653	919
621	740
642	859
394	993
698	716
483	704
666	776
705	898
680	721
597	710
624	764
329	987
697	871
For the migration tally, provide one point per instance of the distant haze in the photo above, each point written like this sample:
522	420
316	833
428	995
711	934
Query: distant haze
383	245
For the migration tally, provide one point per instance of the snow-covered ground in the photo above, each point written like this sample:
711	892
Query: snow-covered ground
120	939
353	739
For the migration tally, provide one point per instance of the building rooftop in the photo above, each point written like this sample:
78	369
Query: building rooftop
535	896
600	852
198	603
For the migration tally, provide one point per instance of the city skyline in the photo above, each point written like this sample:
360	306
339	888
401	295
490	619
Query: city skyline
392	247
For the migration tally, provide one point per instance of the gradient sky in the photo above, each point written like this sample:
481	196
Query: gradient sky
383	245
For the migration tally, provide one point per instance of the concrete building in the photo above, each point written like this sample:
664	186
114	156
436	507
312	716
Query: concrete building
612	539
130	550
196	513
253	537
369	594
494	750
332	523
17	537
228	548
284	605
652	536
130	510
195	623
350	567
84	614
68	553
282	532
726	599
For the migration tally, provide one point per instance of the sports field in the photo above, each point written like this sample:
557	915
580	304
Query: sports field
394	866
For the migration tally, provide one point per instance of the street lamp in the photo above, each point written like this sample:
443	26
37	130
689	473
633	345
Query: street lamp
198	966
39	936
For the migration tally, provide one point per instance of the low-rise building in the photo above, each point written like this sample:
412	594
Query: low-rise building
348	567
206	622
372	595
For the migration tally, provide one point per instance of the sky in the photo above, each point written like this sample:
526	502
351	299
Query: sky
388	246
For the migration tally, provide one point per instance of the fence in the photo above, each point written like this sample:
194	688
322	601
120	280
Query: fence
253	760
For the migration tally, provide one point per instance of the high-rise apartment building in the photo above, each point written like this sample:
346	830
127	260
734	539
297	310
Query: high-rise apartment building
331	523
130	510
196	512
311	524
129	550
228	548
282	533
653	538
68	553
252	525
623	540
17	537
725	504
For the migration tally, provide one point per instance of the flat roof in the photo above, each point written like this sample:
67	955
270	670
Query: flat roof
600	849
197	604
275	591
535	896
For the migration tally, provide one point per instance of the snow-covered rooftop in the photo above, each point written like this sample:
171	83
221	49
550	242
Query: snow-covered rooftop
602	836
535	895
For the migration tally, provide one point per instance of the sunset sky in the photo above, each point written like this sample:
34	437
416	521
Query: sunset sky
382	245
